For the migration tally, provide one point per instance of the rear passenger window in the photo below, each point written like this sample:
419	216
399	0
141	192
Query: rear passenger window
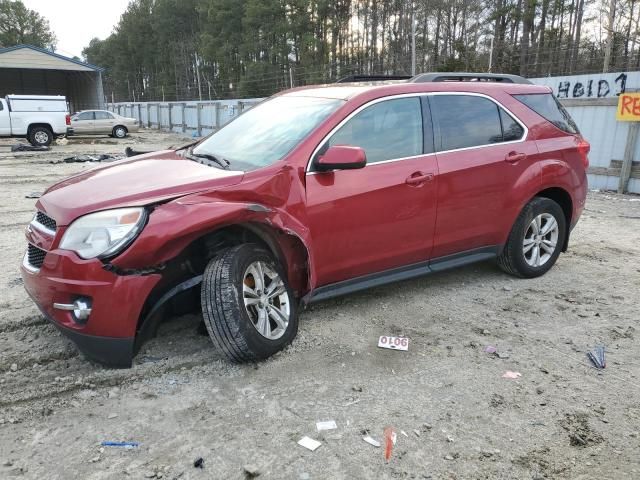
511	130
387	130
547	106
466	121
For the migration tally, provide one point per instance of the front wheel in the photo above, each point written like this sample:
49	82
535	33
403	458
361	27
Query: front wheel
247	305
535	240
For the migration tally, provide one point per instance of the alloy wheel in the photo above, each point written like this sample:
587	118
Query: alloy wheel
540	240
266	300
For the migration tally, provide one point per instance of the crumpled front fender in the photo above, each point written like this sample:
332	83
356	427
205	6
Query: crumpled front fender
269	202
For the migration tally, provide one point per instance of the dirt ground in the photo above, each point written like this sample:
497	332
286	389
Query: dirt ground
182	400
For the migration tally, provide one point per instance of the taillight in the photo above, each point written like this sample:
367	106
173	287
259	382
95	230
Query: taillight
67	119
583	150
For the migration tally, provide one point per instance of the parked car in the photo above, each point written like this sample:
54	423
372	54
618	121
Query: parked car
102	122
38	118
314	193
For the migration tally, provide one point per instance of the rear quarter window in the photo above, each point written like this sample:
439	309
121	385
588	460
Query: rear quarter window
547	106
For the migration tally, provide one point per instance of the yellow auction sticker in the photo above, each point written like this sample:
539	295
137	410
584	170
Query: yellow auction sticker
628	107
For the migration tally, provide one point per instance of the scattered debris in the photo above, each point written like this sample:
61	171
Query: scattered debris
198	463
62	141
309	443
404	433
23	147
510	374
580	432
102	157
371	441
390	438
127	445
416	433
33	195
490	349
597	357
111	416
348	404
130	152
251	471
326	425
14	367
394	343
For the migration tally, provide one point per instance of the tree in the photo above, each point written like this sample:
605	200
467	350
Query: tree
19	25
188	49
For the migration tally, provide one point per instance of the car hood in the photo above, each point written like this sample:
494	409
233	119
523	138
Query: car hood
135	181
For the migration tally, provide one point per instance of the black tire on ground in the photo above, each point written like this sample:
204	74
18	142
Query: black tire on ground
224	312
40	136
120	131
512	259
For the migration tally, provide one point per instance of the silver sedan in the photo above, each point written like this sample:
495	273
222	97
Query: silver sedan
102	122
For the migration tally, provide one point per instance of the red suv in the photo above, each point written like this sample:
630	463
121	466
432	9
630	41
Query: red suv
313	193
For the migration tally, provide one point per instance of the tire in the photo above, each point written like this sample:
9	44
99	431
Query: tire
120	131
229	281
40	136
519	259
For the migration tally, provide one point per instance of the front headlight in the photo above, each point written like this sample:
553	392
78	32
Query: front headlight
103	234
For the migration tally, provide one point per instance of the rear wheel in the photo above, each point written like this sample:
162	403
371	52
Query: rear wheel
247	305
535	240
120	131
40	136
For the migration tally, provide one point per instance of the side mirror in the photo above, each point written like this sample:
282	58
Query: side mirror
341	157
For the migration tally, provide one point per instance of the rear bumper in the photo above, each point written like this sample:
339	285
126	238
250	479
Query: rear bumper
108	335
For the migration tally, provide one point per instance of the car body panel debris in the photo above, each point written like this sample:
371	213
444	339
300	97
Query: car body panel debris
326	425
371	441
512	375
309	443
393	343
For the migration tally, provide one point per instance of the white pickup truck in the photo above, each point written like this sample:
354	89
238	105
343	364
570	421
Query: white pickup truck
38	118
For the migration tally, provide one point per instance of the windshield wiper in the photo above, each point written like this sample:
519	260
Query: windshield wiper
220	161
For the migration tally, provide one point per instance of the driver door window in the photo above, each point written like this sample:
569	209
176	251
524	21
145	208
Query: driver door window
387	130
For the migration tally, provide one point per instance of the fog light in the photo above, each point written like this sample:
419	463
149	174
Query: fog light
81	308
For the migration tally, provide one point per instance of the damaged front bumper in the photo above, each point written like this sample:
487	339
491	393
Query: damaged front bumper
108	334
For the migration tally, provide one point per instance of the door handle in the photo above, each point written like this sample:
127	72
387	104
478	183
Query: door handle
418	178
513	157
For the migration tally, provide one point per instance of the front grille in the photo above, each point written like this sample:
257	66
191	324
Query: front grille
46	220
35	256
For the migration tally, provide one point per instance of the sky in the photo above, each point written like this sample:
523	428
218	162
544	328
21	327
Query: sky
76	22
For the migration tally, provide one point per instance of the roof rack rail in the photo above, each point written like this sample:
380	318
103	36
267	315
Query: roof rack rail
468	77
372	78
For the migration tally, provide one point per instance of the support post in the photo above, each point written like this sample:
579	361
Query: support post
184	120
170	119
198	119
627	161
148	115
217	125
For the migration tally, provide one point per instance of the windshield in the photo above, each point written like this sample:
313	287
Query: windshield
267	132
